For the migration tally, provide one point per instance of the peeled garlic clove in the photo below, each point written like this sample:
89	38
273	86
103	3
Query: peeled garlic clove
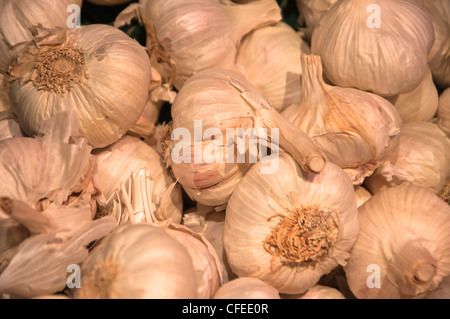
292	227
374	45
96	70
401	250
40	264
246	288
207	266
439	56
443	113
131	175
318	292
281	46
138	262
352	128
421	158
420	104
17	17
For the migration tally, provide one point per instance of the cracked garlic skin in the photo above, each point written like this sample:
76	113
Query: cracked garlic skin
138	262
292	227
402	250
97	70
374	45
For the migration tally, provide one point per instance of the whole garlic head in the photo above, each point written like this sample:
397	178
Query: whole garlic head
380	46
96	70
290	228
402	247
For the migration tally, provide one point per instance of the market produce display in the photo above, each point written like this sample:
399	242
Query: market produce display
225	149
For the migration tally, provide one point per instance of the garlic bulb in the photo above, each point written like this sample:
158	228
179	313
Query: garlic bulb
96	70
138	262
186	37
318	292
353	129
207	266
292	227
246	288
224	103
133	183
421	158
278	47
40	264
443	113
420	104
402	247
17	17
374	45
439	56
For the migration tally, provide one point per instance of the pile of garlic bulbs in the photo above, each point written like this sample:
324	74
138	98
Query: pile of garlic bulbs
214	149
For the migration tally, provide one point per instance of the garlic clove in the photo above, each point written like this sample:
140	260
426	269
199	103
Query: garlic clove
379	46
401	248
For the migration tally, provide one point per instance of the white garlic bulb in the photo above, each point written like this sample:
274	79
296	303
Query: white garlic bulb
421	158
246	288
133	181
290	228
420	104
439	56
268	58
374	45
226	104
138	262
354	129
97	70
186	37
443	113
402	247
17	17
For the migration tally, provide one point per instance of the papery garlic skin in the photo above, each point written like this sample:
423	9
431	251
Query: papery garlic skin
387	59
207	266
443	113
254	223
138	262
131	160
362	195
97	70
310	12
268	57
439	56
17	17
420	104
246	288
352	128
402	247
9	128
422	158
